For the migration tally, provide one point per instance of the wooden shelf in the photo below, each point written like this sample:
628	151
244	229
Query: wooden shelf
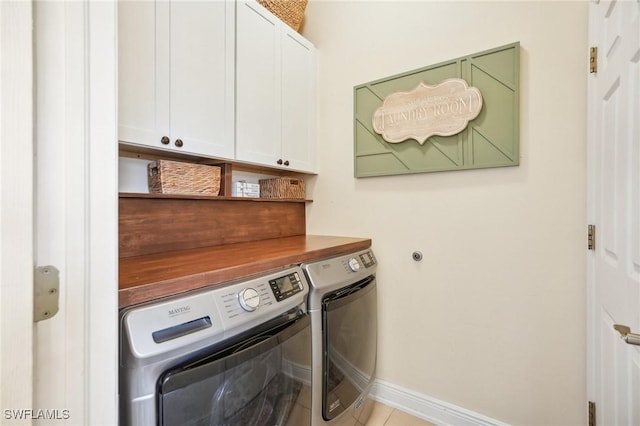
148	153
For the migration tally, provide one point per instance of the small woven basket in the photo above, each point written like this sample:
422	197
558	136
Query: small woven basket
291	12
282	187
174	177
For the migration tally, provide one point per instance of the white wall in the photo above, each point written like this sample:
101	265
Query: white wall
493	318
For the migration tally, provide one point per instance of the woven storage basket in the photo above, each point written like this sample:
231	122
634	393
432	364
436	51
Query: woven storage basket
282	187
173	177
291	12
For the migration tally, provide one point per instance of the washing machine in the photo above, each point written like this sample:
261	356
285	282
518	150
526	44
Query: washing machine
233	354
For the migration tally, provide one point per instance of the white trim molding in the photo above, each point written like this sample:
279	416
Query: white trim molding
428	408
101	303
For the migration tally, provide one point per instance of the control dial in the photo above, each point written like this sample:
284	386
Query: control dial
249	299
354	265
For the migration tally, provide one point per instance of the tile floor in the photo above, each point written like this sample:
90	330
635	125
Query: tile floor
383	415
380	414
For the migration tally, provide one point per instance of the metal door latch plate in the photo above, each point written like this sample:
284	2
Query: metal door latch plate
45	292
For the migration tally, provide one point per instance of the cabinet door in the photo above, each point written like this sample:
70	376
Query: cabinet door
137	81
176	75
201	80
258	132
275	93
298	101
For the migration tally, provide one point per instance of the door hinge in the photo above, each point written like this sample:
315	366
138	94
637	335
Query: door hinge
591	237
593	60
46	288
592	413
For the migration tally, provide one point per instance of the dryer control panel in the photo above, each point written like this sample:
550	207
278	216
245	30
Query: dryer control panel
333	273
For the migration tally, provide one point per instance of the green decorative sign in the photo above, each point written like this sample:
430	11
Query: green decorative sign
457	115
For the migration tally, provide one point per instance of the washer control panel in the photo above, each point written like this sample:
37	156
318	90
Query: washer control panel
286	286
212	313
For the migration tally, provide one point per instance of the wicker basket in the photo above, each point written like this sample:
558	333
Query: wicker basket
173	177
291	12
282	187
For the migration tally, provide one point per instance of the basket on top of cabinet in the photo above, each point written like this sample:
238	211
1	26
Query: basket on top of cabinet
291	12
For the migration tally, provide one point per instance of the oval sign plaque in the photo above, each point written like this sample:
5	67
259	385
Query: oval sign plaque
444	110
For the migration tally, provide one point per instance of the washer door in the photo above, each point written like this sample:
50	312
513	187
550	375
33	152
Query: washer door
257	381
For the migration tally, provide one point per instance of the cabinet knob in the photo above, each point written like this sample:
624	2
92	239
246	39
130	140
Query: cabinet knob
279	161
286	163
165	140
179	143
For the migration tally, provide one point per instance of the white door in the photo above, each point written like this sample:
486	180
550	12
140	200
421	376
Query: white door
614	207
59	207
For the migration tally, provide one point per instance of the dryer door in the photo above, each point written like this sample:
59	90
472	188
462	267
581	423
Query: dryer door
258	381
349	318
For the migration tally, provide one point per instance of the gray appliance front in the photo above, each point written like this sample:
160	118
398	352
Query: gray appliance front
231	355
343	310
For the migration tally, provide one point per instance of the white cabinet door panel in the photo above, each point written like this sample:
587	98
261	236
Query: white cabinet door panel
258	130
176	75
136	66
201	78
275	93
298	102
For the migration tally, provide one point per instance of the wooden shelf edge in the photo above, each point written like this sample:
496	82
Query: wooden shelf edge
132	150
211	198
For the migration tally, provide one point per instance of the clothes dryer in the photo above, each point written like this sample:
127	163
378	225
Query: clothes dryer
343	310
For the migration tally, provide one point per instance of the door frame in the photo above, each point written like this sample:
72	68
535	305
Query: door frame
100	164
592	128
16	207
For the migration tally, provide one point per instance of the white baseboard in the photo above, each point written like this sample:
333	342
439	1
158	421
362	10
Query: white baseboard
428	408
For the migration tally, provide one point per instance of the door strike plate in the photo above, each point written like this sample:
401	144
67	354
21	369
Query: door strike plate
592	413
45	292
593	60
591	237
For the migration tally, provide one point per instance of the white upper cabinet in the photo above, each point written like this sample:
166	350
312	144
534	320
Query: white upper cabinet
176	76
275	92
